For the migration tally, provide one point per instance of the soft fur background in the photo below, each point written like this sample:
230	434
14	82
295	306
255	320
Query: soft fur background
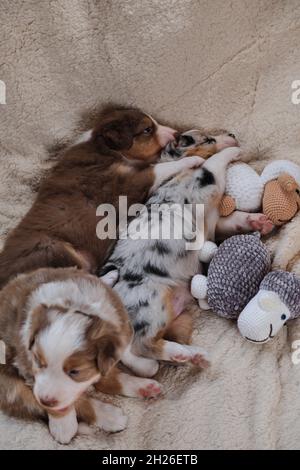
211	63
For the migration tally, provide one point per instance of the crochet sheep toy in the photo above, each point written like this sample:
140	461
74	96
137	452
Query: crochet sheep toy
276	190
240	286
277	301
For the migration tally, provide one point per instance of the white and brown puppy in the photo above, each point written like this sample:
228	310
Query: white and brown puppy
64	331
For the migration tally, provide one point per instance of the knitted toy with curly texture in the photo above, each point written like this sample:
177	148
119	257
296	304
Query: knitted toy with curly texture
234	275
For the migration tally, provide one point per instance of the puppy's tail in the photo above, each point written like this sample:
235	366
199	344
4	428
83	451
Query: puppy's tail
16	398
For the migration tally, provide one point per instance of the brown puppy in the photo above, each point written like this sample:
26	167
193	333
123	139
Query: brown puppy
64	331
110	161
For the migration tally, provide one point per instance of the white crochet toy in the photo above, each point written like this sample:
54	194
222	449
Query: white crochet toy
277	301
276	190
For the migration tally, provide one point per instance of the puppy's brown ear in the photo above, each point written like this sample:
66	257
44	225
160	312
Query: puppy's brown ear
117	135
107	343
39	320
109	353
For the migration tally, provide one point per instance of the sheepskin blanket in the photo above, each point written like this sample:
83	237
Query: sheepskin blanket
190	62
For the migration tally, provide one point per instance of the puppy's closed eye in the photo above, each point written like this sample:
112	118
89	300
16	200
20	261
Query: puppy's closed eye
81	366
82	375
73	373
39	360
209	140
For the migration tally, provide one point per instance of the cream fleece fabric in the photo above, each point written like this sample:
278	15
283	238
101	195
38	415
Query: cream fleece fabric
194	62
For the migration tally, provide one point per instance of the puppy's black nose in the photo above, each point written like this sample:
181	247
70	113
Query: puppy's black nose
232	135
49	402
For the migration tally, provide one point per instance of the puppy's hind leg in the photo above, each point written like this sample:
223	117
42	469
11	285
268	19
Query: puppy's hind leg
120	383
174	352
181	329
243	222
142	366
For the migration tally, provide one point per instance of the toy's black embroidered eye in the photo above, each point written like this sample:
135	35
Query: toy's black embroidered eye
231	135
298	191
283	316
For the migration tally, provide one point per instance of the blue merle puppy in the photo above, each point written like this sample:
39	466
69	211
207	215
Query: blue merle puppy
154	272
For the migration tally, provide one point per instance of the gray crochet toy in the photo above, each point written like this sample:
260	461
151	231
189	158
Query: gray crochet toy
277	301
240	286
234	275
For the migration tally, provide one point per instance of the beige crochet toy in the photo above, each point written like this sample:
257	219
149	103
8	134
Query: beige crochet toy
276	191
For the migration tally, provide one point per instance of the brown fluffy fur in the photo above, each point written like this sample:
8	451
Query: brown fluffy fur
16	376
60	228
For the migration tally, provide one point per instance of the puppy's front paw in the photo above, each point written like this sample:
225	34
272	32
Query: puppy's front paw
149	389
234	153
193	354
192	162
110	418
65	428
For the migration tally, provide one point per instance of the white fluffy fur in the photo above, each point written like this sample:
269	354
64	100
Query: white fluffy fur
52	382
82	295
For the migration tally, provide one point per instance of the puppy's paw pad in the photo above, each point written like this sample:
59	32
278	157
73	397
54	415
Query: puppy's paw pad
151	390
200	361
260	223
180	358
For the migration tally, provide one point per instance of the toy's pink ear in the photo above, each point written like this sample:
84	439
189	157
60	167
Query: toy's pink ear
287	182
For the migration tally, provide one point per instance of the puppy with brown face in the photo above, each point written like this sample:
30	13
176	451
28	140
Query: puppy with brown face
114	159
136	135
65	331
